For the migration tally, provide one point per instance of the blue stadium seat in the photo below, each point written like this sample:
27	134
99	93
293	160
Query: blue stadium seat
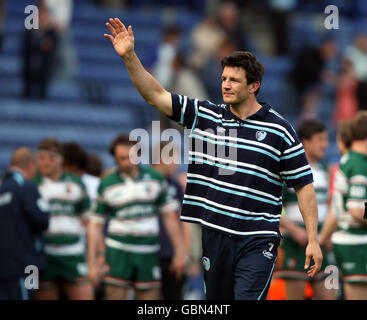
64	91
10	86
10	65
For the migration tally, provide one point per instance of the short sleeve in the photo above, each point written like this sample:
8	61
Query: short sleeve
295	170
100	208
84	204
166	202
184	110
357	192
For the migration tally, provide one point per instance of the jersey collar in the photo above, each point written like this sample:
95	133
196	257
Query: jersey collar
260	114
125	177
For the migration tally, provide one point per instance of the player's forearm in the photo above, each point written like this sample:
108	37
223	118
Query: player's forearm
357	214
94	236
174	233
187	235
328	227
149	88
308	206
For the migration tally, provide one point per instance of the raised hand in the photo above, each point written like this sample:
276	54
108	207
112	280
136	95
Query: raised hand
122	39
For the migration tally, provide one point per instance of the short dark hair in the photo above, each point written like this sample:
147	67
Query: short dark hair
94	165
345	133
51	144
247	61
75	155
359	126
310	127
120	139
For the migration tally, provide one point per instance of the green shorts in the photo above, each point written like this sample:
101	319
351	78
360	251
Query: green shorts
294	261
72	269
127	269
351	256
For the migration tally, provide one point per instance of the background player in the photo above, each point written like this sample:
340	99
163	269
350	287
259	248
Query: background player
132	196
23	218
344	141
171	286
65	242
314	137
350	241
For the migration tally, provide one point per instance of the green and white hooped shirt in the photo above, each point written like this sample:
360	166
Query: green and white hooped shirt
132	205
68	204
350	192
321	186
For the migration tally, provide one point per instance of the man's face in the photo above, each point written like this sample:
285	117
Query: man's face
316	146
235	89
122	158
49	162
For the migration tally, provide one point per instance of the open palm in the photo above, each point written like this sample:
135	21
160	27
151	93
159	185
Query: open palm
122	39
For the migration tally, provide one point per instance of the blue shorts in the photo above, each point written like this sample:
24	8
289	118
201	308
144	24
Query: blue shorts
238	268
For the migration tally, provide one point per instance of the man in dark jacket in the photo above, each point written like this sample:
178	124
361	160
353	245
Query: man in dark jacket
23	217
39	46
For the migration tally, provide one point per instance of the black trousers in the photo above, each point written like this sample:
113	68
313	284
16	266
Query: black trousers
238	268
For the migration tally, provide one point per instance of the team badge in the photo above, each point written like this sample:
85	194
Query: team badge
260	135
206	263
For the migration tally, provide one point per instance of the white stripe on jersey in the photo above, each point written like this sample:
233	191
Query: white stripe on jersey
231	209
274	125
144	226
358	179
236	163
235	139
298	146
231	185
219	116
131	191
65	224
68	250
306	167
135	248
346	238
240	233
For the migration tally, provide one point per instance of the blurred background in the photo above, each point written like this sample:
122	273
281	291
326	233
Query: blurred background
65	80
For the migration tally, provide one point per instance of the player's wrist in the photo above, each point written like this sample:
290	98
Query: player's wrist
128	56
100	254
313	241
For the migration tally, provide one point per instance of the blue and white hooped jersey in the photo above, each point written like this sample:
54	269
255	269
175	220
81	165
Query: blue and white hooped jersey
237	167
